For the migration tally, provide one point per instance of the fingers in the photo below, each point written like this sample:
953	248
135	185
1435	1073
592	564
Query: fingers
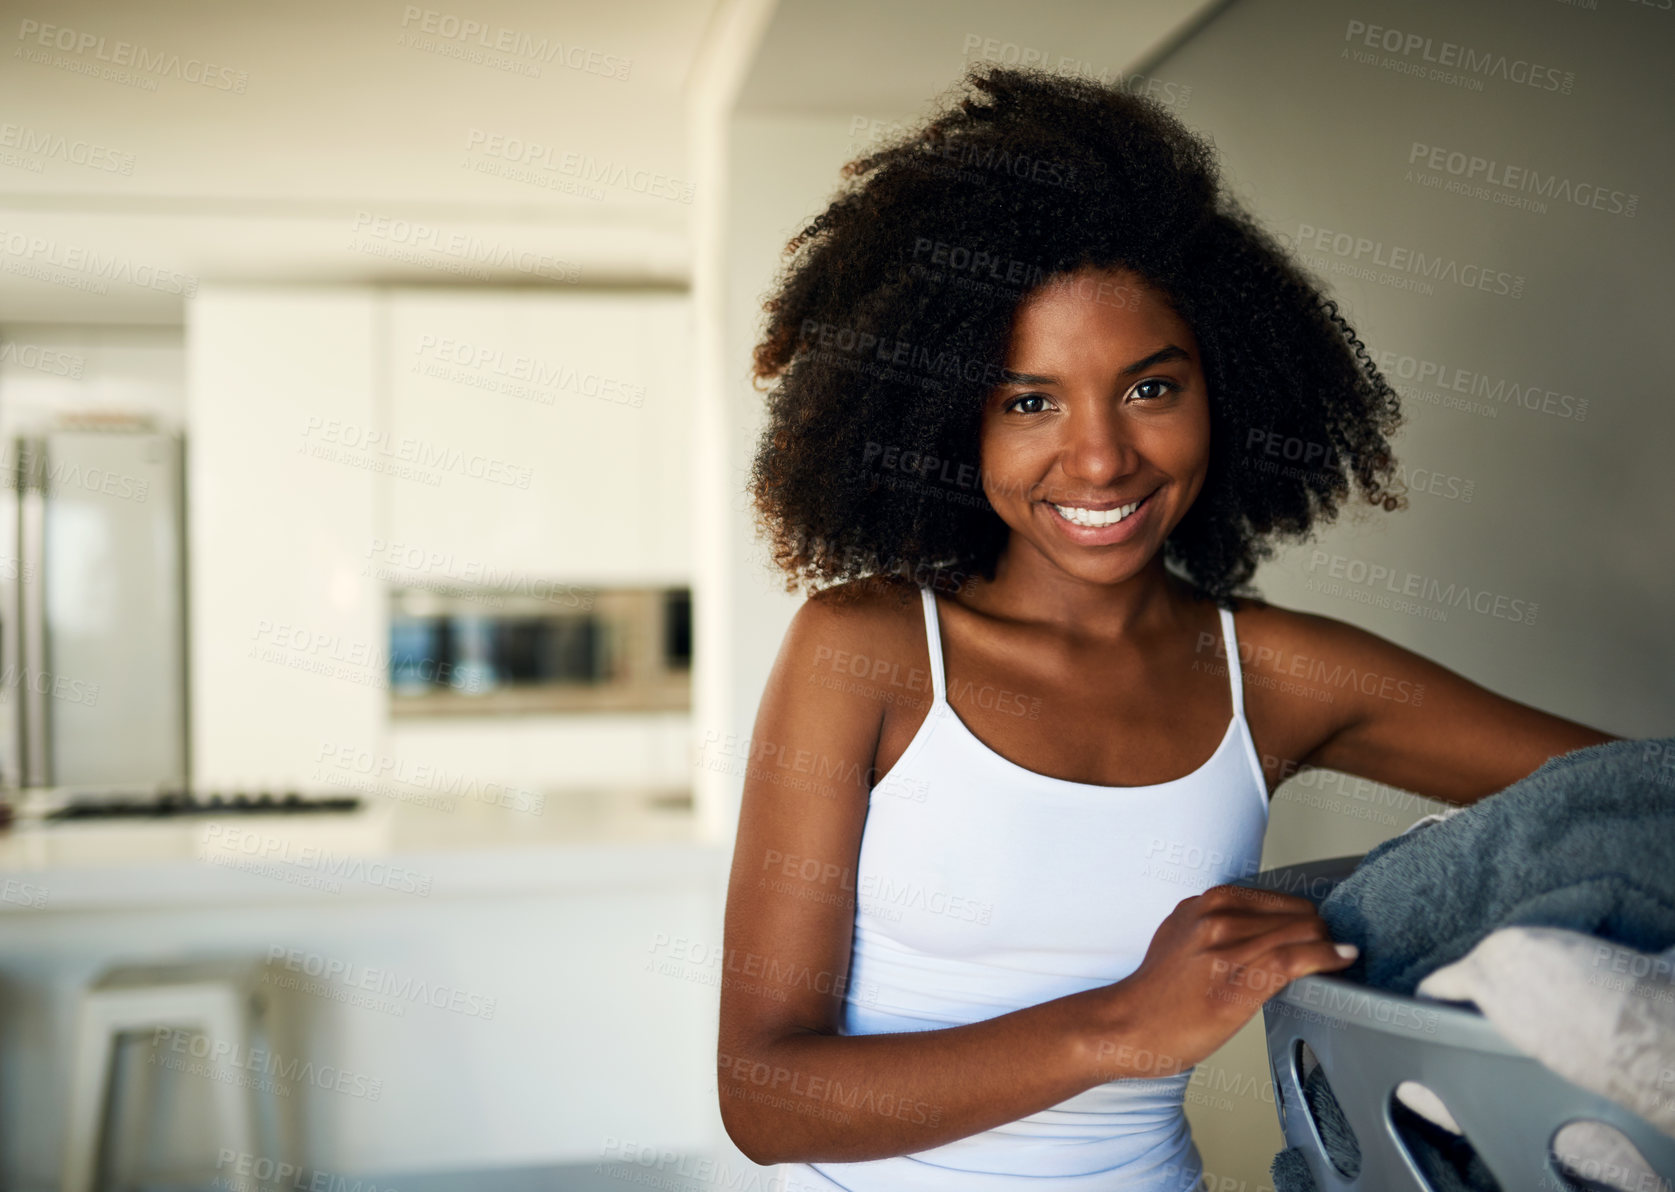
1229	920
1230	896
1293	960
1252	979
1251	948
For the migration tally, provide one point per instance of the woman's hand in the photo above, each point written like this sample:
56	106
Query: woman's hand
1210	966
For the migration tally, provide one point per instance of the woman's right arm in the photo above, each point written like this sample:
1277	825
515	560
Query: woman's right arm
792	1089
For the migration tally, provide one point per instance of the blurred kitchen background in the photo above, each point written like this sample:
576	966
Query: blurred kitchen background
381	620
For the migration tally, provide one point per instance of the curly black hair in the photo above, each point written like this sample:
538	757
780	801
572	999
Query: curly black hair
889	323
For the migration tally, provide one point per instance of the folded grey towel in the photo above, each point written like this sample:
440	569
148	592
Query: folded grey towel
1585	842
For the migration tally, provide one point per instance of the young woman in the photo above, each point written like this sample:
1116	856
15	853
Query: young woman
1044	397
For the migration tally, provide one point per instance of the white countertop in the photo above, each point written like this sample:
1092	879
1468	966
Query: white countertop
385	850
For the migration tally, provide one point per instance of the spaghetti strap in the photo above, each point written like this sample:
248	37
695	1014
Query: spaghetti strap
933	640
1235	675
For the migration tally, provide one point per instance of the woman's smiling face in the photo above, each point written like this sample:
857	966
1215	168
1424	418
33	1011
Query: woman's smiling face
1102	404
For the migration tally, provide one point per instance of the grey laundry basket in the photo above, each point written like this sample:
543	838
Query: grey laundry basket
1508	1104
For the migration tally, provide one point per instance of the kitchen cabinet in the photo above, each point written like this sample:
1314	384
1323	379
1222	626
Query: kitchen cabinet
347	440
537	437
286	631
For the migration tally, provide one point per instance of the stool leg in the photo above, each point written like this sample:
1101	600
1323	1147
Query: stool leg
235	1089
89	1079
282	1128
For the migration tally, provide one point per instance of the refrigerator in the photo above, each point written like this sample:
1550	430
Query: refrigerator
93	610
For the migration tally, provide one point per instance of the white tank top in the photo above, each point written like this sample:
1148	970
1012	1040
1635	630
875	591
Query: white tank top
983	887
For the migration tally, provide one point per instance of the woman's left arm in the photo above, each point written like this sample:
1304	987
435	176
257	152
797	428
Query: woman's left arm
1410	723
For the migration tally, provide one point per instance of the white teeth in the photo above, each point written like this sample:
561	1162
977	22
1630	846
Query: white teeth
1097	517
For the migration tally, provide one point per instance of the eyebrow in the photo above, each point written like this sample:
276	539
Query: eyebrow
1161	356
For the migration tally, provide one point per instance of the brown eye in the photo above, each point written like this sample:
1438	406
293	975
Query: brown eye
1167	385
1023	397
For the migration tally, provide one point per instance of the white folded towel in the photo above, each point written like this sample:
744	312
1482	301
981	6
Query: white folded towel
1599	1014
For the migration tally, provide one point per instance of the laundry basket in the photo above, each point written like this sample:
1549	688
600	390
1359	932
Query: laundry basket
1506	1103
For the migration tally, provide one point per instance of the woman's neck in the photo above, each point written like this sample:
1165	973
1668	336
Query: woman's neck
1036	591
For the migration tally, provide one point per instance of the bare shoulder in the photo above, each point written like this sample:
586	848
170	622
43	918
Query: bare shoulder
1270	634
878	599
843	642
874	617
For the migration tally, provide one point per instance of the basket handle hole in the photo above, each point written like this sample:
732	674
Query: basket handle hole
1595	1156
1338	1139
1434	1143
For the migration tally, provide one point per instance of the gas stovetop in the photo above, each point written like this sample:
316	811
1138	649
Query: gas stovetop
161	804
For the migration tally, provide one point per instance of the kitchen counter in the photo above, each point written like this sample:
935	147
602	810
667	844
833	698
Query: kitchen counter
386	850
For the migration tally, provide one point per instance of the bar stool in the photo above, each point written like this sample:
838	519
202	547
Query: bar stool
219	999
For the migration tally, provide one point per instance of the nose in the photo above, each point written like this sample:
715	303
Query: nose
1100	449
